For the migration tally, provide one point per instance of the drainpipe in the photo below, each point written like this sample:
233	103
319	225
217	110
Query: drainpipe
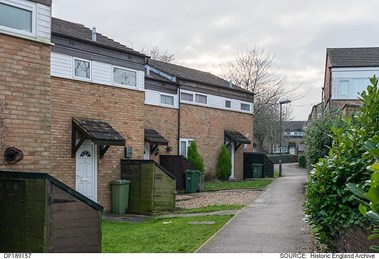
178	148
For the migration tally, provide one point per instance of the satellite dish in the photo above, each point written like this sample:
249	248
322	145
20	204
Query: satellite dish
13	155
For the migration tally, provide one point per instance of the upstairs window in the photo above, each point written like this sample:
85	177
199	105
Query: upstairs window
199	98
82	68
124	77
245	107
167	99
186	97
228	104
17	17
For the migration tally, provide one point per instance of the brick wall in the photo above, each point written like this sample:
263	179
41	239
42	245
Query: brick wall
165	121
207	125
121	108
25	88
327	82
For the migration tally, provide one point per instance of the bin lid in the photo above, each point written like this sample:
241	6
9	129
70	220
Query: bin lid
120	181
254	164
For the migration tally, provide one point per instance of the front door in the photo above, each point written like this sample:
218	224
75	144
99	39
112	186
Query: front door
146	152
86	170
231	151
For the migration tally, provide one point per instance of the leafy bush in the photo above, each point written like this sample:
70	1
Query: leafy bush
194	157
302	161
224	164
318	139
329	206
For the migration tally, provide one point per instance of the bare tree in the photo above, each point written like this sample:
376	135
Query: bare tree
156	53
253	71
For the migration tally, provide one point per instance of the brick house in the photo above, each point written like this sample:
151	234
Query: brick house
197	106
74	99
347	73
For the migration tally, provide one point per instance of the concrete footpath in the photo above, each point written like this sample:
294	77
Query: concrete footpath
272	223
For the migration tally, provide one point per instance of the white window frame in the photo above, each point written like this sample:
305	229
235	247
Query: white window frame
248	104
90	69
25	5
187	141
193	98
201	95
127	69
167	95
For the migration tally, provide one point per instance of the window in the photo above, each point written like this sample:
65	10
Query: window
124	77
343	89
228	104
17	17
186	97
184	145
245	107
199	98
82	68
166	99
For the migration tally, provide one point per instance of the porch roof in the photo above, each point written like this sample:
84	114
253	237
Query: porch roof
153	137
237	137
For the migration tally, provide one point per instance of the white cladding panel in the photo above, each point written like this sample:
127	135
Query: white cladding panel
43	22
348	83
154	98
61	65
218	102
102	73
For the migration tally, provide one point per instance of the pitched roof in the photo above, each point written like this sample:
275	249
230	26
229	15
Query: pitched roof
80	32
191	74
293	125
354	57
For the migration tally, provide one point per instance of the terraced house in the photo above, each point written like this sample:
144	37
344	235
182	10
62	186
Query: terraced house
76	102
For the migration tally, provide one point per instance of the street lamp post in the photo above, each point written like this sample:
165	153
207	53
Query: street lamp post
282	101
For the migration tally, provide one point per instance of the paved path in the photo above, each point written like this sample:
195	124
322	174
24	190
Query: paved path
272	223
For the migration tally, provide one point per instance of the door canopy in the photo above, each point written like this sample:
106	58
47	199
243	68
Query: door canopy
236	137
99	132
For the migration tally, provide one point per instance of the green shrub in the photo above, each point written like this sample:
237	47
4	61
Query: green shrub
194	157
224	164
302	161
318	136
329	206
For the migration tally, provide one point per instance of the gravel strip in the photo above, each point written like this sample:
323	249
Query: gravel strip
224	197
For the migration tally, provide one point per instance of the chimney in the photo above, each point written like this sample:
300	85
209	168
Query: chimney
230	84
93	33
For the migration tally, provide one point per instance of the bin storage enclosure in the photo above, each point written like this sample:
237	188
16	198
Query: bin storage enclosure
41	214
152	187
176	165
251	158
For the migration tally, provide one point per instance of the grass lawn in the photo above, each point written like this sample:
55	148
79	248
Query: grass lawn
211	208
169	235
218	185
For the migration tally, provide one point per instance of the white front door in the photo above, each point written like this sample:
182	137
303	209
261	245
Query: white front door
231	151
146	152
86	170
292	150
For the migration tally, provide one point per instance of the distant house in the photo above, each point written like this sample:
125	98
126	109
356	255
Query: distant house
293	138
186	105
347	73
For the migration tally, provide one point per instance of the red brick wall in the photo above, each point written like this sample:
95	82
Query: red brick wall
25	88
121	108
165	121
207	125
327	82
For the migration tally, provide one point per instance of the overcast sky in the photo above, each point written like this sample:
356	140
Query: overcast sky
206	33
